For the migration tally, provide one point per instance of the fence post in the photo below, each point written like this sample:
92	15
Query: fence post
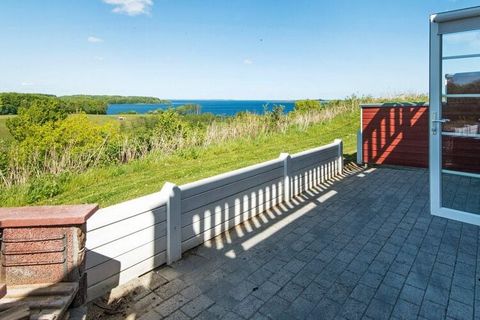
174	218
359	147
340	155
287	167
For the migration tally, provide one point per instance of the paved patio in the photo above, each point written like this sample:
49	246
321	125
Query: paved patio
361	247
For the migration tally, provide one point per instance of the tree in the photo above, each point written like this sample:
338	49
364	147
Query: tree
307	105
45	112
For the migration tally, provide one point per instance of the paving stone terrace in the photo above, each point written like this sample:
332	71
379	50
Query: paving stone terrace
362	247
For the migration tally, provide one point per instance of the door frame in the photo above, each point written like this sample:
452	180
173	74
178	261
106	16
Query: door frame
444	23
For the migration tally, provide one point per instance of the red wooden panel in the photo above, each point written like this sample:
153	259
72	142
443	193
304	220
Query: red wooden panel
399	136
395	135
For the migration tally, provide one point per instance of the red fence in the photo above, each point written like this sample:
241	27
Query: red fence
398	134
395	134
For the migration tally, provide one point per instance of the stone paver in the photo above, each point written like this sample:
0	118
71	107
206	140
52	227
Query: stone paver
371	250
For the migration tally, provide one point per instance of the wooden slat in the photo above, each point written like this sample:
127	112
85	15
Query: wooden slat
220	218
314	153
323	168
309	152
305	166
374	149
121	229
17	313
411	143
311	178
118	247
125	261
35	302
47	314
389	116
204	185
316	164
403	120
396	130
235	187
298	164
45	301
43	289
187	216
211	233
125	210
99	289
402	160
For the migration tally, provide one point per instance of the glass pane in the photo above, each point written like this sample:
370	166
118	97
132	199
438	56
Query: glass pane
461	193
461	76
461	43
461	131
462	113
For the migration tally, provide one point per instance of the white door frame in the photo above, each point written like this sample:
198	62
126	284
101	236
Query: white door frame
443	23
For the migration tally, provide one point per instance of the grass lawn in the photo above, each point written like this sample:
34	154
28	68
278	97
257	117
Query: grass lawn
113	184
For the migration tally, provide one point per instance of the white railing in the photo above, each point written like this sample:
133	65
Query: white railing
134	237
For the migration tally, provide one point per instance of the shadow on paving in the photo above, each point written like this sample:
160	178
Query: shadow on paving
361	246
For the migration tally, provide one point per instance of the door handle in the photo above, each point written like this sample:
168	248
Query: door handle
435	121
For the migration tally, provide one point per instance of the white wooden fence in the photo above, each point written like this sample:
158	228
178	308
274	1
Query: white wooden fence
131	238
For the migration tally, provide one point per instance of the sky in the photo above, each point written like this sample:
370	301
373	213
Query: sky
217	49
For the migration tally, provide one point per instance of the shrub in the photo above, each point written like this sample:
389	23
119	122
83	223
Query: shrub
71	144
275	119
170	124
307	105
44	112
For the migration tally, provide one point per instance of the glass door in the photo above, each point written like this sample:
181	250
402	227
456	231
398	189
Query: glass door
455	126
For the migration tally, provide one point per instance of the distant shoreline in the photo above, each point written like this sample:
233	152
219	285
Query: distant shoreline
217	107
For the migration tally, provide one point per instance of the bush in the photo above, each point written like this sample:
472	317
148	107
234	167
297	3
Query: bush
40	113
71	144
307	105
275	119
170	124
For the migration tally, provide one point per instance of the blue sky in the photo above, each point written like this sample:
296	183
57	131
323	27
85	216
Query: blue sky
226	49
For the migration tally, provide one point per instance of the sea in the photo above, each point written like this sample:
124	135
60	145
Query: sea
218	107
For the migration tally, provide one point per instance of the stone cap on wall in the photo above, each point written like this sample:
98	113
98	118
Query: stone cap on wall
46	215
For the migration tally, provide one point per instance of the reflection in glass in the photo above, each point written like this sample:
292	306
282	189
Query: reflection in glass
461	134
461	43
463	113
460	74
461	193
460	113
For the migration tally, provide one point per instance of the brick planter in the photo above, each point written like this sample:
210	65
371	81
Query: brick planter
44	245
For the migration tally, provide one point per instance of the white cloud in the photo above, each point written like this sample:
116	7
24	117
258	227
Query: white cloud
247	61
27	84
98	58
93	39
131	7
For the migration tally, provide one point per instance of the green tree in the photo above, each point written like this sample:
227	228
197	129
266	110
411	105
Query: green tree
46	112
307	105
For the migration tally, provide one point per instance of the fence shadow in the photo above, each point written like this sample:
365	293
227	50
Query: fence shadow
395	134
236	244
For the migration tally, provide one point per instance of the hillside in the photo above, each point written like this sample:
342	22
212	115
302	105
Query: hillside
116	183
